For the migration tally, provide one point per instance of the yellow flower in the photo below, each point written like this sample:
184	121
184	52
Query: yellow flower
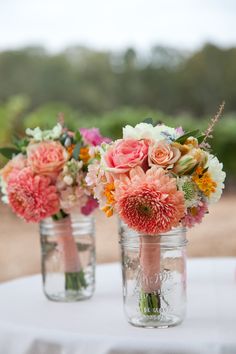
204	181
84	154
109	193
108	210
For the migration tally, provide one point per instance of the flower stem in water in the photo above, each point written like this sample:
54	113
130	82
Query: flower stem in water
150	303
75	280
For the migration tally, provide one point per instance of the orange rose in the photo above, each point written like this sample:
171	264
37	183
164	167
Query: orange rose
47	157
162	154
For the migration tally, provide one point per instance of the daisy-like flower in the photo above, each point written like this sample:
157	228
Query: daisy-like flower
194	215
189	189
210	180
218	176
149	202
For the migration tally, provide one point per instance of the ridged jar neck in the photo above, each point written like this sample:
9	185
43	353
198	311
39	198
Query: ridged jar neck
176	237
77	224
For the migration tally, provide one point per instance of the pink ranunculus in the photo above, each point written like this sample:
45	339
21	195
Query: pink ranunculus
162	154
93	136
32	196
47	157
17	163
126	154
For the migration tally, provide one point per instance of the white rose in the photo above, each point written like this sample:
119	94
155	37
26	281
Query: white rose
142	131
148	131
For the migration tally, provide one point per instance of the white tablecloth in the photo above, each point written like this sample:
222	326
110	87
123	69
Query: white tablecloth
31	324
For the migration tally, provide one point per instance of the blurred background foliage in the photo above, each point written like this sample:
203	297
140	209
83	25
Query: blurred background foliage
110	90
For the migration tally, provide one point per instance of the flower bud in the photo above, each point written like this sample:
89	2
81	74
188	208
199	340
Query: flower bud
67	142
185	164
188	161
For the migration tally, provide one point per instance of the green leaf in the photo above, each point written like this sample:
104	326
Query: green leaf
76	151
60	215
8	152
193	169
148	120
200	138
183	138
21	144
78	137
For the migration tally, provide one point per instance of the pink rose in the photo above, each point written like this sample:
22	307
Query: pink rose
47	158
93	136
126	154
162	154
17	163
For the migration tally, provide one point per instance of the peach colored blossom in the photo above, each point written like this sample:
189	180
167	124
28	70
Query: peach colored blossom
126	154
32	196
149	202
47	157
162	154
16	163
72	199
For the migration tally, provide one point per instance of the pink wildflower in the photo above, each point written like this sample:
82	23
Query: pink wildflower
194	215
90	206
93	136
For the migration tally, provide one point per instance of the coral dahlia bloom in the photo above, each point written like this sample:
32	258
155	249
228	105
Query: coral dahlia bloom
149	202
32	197
47	157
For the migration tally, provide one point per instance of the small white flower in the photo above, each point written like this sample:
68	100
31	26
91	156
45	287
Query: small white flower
68	180
38	135
217	175
3	187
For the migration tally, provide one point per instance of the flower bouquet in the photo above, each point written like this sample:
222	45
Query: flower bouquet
156	178
45	177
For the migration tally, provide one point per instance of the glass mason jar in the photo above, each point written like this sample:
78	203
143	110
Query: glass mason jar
68	258
154	277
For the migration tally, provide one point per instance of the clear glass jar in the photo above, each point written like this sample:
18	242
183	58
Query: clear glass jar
154	277
68	258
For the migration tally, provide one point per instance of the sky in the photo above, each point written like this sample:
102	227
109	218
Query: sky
117	24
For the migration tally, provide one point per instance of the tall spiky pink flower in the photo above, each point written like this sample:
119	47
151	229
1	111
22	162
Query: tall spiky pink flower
149	202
